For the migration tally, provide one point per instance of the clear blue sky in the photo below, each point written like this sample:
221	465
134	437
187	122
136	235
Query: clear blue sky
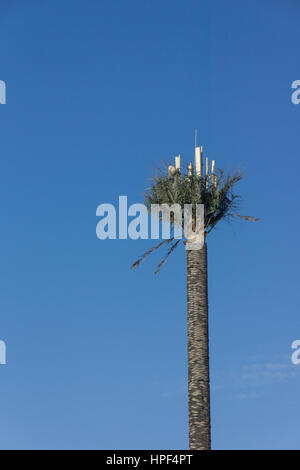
98	94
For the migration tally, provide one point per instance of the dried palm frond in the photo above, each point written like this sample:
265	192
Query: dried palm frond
141	258
167	256
247	217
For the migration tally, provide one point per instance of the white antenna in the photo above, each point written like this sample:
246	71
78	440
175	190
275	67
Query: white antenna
195	138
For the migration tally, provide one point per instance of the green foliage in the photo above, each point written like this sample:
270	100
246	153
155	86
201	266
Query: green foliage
214	191
219	200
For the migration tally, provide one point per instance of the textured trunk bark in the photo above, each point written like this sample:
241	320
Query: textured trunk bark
198	359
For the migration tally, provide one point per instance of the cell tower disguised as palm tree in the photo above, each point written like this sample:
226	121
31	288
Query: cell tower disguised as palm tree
214	190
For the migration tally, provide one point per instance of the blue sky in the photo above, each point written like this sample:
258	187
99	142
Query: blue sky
98	94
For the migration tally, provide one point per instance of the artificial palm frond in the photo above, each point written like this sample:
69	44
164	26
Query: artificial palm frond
247	217
141	258
167	256
214	192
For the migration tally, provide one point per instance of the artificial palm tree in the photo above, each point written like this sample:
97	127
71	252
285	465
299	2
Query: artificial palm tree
215	192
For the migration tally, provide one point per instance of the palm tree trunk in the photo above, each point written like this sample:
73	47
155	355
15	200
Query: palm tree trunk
198	359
